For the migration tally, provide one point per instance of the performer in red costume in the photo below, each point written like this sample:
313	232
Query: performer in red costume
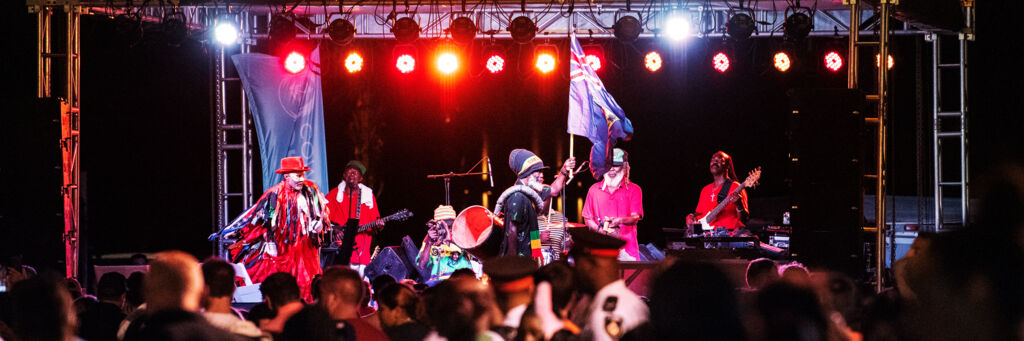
281	232
352	203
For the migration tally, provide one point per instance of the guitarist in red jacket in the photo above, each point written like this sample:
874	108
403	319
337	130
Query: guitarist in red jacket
353	204
734	215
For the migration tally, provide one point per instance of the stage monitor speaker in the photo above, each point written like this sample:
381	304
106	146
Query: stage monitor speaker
393	261
410	252
827	138
387	262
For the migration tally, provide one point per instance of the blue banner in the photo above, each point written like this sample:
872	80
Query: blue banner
288	110
593	112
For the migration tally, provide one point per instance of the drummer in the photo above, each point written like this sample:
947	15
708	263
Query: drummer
615	205
525	199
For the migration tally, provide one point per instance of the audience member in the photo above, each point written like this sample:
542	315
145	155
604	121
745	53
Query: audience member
461	310
139	259
463	273
101	320
173	288
559	276
795	273
42	310
219	290
135	296
398	306
761	272
511	278
694	301
614	310
314	323
341	294
789	312
281	292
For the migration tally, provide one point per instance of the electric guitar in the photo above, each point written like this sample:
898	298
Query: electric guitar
750	182
339	230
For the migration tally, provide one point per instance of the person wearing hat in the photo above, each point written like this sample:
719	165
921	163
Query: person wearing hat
521	203
352	204
511	278
613	309
615	205
438	254
280	232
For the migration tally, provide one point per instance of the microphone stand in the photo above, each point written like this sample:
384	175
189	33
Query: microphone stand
448	179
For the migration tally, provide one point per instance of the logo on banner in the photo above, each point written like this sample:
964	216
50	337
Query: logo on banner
292	94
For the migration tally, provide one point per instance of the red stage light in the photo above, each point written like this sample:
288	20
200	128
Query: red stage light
354	62
593	61
833	61
782	62
495	64
447	63
545	62
653	61
721	61
294	62
405	63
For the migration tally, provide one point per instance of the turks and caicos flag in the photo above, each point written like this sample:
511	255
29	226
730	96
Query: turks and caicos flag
593	112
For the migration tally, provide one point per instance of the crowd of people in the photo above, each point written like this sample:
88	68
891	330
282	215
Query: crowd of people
949	287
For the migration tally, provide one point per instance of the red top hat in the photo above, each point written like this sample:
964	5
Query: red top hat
292	164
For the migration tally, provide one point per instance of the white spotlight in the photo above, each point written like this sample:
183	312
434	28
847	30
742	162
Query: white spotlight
676	28
226	33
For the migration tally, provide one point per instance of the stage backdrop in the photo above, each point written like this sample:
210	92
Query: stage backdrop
288	110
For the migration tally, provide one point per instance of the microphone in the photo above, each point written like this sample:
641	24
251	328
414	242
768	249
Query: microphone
489	176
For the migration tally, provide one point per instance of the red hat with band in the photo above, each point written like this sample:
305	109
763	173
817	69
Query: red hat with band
292	164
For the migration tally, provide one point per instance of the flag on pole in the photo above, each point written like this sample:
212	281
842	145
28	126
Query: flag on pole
288	112
593	113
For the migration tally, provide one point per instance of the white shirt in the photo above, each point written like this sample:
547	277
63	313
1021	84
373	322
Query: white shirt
514	316
625	311
232	324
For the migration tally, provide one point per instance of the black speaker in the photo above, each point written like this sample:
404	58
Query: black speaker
387	262
31	178
827	135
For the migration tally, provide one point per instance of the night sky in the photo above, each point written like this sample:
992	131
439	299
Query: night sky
146	129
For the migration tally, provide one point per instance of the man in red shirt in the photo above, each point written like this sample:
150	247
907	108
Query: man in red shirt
734	215
615	205
353	203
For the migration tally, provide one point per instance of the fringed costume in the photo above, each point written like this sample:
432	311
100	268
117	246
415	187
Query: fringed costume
282	232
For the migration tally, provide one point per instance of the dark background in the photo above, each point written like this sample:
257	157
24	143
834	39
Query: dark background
146	128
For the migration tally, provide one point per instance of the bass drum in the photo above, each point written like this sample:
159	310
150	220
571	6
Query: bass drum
475	231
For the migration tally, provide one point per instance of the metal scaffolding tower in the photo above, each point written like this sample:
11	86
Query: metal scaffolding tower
69	115
232	153
942	111
880	98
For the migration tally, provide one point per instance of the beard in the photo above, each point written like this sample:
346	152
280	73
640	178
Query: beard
535	184
613	182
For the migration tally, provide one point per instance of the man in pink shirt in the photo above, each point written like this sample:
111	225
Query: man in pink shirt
615	205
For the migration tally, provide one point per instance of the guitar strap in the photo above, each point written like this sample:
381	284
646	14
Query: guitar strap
351	226
724	192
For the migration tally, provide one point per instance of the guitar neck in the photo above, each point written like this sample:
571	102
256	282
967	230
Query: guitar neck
372	224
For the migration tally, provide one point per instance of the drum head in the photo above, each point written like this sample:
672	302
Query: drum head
472	227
